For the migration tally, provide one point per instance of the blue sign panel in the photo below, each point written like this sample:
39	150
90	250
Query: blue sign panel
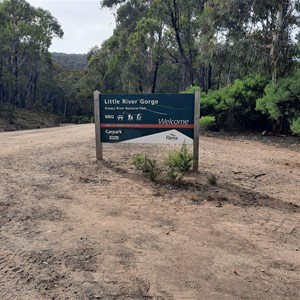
147	118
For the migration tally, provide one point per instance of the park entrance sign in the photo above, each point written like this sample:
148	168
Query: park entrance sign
147	118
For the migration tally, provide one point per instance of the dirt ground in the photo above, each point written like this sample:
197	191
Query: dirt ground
74	228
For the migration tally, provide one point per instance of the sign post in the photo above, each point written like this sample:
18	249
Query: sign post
147	118
99	151
196	132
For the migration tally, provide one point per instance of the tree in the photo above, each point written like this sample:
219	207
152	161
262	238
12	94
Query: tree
259	31
26	34
179	16
281	103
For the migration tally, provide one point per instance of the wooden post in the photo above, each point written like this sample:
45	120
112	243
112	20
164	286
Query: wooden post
99	150
196	132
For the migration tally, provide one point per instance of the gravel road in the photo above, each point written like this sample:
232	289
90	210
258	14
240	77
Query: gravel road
75	228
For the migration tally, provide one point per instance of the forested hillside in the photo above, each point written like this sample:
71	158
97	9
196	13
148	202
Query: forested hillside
30	79
243	55
70	61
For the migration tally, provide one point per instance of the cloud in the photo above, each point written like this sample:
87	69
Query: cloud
84	24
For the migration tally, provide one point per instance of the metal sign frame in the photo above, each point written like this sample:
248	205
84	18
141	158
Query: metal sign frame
99	146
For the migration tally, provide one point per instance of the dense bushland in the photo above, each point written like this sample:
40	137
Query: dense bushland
163	46
253	104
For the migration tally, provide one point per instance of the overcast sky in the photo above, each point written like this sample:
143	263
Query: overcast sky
84	23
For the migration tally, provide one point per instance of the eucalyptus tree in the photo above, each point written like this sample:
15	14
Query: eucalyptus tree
182	32
151	33
208	43
259	33
119	65
26	34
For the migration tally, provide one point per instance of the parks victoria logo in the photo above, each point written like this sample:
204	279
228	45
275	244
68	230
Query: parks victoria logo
171	137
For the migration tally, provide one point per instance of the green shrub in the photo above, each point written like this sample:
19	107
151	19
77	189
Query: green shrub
207	122
179	163
234	106
281	103
192	89
80	119
138	160
295	126
147	165
151	168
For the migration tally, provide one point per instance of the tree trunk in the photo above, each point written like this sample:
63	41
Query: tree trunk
155	77
187	62
2	100
202	77
34	87
209	77
229	79
65	108
274	51
16	79
140	86
219	76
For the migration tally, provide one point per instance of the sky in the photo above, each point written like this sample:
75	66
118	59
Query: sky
85	24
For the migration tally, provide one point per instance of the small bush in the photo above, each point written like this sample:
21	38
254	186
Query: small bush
281	103
295	126
235	106
151	168
179	163
80	119
207	122
138	160
192	89
147	165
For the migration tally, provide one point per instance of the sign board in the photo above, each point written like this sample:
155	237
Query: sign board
146	118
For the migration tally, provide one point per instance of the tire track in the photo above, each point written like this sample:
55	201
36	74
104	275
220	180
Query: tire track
15	276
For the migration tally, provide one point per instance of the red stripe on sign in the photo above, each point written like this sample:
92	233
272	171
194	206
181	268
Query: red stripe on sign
104	125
